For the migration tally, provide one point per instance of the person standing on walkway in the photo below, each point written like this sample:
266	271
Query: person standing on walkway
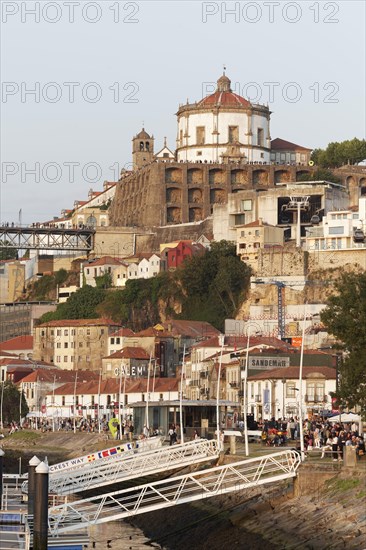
335	447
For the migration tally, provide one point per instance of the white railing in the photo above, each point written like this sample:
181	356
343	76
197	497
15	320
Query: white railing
169	492
122	468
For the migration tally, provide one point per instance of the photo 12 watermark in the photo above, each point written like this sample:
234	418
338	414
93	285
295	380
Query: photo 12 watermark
290	92
69	92
67	172
70	12
270	12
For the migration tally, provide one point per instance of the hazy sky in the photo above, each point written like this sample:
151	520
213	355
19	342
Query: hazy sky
101	69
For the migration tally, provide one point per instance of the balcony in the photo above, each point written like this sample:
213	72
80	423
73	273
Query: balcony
234	385
204	374
194	383
316	398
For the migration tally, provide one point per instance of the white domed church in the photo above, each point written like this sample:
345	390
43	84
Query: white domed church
223	127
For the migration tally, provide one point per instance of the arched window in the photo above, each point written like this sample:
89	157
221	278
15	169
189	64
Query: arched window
141	145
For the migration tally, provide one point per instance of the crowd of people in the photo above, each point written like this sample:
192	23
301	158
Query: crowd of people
318	432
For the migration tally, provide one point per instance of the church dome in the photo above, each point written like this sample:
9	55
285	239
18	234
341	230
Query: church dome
143	135
224	96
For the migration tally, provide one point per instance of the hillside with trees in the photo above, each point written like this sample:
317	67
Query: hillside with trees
210	287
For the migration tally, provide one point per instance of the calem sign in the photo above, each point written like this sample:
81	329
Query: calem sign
133	371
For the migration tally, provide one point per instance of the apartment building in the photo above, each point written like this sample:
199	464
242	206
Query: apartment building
74	343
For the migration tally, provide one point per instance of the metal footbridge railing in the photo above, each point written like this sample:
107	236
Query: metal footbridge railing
118	468
204	484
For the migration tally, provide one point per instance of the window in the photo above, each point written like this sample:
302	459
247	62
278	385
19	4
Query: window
112	341
87	358
80	344
239	219
73	332
233	134
199	153
65	358
66	344
245	205
118	340
72	358
256	232
63	400
58	345
260	137
338	230
242	233
66	332
200	135
58	358
58	332
290	389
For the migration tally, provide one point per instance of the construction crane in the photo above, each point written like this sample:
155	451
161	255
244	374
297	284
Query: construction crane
281	298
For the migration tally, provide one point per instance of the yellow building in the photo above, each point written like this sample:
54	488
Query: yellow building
74	343
250	238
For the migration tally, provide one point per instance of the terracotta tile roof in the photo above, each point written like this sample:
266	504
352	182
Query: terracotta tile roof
106	260
6	354
194	329
293	373
60	375
25	362
123	332
19	342
225	99
258	223
79	323
111	386
130	352
279	144
153	332
241	342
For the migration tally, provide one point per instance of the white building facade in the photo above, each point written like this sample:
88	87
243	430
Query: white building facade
223	127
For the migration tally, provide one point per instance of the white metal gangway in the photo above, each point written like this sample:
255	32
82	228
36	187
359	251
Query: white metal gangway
118	468
118	452
204	484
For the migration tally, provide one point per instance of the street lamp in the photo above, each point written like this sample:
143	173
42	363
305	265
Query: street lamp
2	404
245	384
74	400
222	341
181	398
300	389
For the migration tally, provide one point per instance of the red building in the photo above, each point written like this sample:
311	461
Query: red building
174	257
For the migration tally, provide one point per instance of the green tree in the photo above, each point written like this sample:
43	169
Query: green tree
7	253
43	287
10	403
104	281
214	284
345	317
82	304
61	276
339	153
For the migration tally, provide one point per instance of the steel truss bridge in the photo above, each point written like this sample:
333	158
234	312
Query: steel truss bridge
122	467
48	238
73	516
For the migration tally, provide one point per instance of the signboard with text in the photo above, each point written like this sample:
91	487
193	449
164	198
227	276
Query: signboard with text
258	362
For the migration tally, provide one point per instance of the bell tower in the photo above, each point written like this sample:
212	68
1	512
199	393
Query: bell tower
142	149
